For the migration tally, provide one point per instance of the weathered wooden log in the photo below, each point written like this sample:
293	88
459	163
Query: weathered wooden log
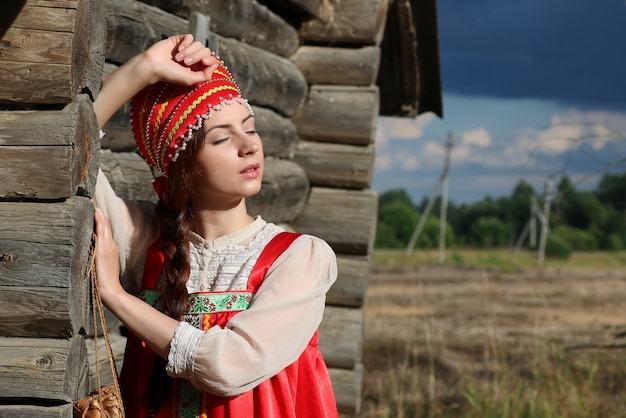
133	26
245	20
48	154
343	66
129	175
303	9
359	22
27	411
43	261
283	194
352	279
43	368
266	79
118	345
346	219
341	336
51	51
347	385
340	114
278	133
336	165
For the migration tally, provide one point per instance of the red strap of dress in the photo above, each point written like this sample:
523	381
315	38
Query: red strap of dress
270	253
155	260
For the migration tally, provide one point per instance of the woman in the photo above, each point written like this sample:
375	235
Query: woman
223	308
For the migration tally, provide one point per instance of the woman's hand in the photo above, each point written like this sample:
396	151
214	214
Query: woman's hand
179	59
107	259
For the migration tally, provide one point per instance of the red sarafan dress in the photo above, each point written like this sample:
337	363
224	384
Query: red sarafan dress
303	389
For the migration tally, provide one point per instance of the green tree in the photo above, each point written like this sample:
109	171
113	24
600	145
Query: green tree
489	232
611	190
400	218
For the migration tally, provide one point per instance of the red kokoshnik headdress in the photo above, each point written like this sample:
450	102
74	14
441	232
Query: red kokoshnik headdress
164	115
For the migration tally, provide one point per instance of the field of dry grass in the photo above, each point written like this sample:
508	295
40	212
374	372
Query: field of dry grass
460	341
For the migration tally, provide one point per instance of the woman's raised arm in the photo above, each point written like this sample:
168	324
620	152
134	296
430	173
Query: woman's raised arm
177	59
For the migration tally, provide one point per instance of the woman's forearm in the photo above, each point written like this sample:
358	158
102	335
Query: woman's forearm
120	86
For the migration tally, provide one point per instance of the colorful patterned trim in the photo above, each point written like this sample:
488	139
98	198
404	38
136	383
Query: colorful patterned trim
203	303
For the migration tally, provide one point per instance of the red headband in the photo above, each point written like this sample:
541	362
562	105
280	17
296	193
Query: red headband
164	115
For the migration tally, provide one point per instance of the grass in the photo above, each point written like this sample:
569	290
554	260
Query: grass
500	258
421	365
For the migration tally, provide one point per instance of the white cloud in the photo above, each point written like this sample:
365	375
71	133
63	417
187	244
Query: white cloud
478	137
571	130
401	128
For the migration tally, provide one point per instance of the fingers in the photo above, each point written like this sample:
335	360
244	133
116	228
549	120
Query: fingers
195	53
103	228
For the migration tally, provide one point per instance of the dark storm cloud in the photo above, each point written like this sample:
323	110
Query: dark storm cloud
570	51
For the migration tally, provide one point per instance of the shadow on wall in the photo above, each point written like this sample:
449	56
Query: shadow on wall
8	12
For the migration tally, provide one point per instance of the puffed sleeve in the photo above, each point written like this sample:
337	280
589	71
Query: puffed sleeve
258	343
134	229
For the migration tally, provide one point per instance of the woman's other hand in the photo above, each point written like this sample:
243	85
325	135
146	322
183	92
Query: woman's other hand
107	259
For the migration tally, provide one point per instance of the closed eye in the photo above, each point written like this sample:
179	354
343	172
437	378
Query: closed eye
219	141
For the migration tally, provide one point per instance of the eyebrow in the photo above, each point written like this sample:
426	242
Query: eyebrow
228	125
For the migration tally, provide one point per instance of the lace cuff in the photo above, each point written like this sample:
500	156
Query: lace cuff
182	353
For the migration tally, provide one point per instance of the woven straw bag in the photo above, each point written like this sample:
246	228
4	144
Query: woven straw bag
106	401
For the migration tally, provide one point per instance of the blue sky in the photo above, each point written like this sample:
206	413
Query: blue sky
531	89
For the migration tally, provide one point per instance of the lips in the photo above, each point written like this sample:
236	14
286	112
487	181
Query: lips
251	171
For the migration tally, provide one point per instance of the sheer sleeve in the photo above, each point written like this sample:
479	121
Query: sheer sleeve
134	229
258	343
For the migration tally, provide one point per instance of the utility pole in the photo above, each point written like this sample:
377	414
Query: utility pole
530	227
547	200
533	221
443	213
441	186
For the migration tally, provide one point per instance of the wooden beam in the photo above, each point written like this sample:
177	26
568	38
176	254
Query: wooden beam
245	20
284	192
340	114
336	165
134	26
304	9
51	51
48	369
348	388
341	336
12	411
360	22
346	219
352	279
266	79
43	260
48	154
338	66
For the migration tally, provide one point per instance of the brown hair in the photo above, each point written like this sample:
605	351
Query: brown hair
175	217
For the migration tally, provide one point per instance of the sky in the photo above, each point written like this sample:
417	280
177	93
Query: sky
532	89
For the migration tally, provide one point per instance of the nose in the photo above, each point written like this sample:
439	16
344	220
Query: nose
249	145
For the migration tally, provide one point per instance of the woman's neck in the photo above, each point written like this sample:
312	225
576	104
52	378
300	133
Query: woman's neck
215	223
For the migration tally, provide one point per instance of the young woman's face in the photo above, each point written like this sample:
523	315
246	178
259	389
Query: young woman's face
229	165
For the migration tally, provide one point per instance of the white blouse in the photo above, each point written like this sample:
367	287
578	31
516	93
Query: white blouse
256	343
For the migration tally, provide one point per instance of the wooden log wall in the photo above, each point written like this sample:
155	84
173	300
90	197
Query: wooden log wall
51	67
309	69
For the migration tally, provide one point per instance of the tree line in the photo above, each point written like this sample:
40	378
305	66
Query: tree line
578	220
